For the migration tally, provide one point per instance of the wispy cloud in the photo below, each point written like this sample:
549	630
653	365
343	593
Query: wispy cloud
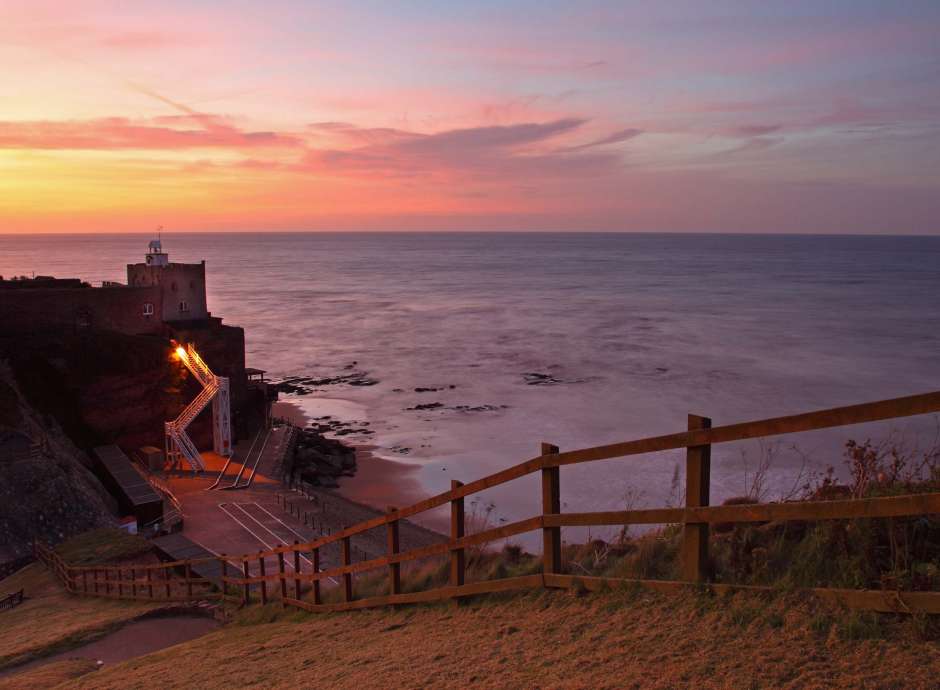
617	137
122	133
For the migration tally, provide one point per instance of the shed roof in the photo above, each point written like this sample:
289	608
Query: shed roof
129	478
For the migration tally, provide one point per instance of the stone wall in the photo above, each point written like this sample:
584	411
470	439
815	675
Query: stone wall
119	309
183	287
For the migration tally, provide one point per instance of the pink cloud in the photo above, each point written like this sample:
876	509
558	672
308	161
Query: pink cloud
523	151
613	138
123	133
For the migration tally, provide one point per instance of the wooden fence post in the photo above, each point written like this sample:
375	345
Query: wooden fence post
697	481
150	582
84	582
246	593
166	576
394	545
457	556
347	577
264	583
107	581
94	577
189	580
134	582
316	583
224	564
296	570
551	505
283	578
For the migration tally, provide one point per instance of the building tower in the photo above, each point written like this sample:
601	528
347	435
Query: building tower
155	255
182	286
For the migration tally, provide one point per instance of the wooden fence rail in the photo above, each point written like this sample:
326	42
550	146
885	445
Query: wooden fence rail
695	518
127	582
11	600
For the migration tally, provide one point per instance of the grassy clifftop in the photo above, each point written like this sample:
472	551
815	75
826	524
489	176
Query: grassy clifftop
616	639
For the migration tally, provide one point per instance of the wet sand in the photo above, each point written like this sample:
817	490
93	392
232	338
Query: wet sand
379	482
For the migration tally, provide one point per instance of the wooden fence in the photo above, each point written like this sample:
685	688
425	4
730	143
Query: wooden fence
695	518
11	600
168	581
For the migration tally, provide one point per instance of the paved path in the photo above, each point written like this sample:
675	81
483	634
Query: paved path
247	520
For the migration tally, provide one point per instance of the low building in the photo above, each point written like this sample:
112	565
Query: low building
158	294
135	495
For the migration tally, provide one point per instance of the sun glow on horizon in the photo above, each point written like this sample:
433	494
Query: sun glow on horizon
515	116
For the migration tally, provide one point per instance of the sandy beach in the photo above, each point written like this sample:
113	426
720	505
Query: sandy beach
379	483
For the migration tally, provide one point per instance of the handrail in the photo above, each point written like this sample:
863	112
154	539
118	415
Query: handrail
811	421
693	516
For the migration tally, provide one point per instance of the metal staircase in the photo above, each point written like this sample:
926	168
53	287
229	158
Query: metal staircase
215	390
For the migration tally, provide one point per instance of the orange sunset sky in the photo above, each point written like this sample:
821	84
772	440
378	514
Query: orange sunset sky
278	115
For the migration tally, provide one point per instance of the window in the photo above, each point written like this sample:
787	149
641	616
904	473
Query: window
184	306
148	309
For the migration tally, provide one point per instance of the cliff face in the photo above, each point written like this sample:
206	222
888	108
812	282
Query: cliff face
69	390
105	387
47	493
100	387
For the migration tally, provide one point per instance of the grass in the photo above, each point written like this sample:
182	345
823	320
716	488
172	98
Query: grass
612	639
50	620
49	675
104	545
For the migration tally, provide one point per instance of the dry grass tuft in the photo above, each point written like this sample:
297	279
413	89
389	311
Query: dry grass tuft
49	675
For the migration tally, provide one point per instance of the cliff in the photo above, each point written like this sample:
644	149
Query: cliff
47	491
104	387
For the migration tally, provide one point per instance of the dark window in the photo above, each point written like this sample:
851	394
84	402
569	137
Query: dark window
184	306
148	309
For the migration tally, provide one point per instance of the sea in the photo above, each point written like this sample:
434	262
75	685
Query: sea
457	354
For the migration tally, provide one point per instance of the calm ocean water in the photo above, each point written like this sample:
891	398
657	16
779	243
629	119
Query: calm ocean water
627	334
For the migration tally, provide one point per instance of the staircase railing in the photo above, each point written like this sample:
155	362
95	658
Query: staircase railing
178	443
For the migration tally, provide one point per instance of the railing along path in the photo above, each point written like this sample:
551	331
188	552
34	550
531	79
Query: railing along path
695	518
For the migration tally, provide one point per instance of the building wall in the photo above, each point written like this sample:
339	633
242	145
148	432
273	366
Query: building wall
109	308
180	283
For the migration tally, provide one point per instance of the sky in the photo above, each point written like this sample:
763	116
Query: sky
686	116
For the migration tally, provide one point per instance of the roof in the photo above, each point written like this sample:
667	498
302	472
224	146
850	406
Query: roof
251	371
176	547
129	478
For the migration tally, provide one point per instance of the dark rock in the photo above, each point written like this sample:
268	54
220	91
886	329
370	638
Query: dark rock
319	459
536	379
427	406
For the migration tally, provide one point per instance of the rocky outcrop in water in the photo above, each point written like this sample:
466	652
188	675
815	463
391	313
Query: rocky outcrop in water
320	460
